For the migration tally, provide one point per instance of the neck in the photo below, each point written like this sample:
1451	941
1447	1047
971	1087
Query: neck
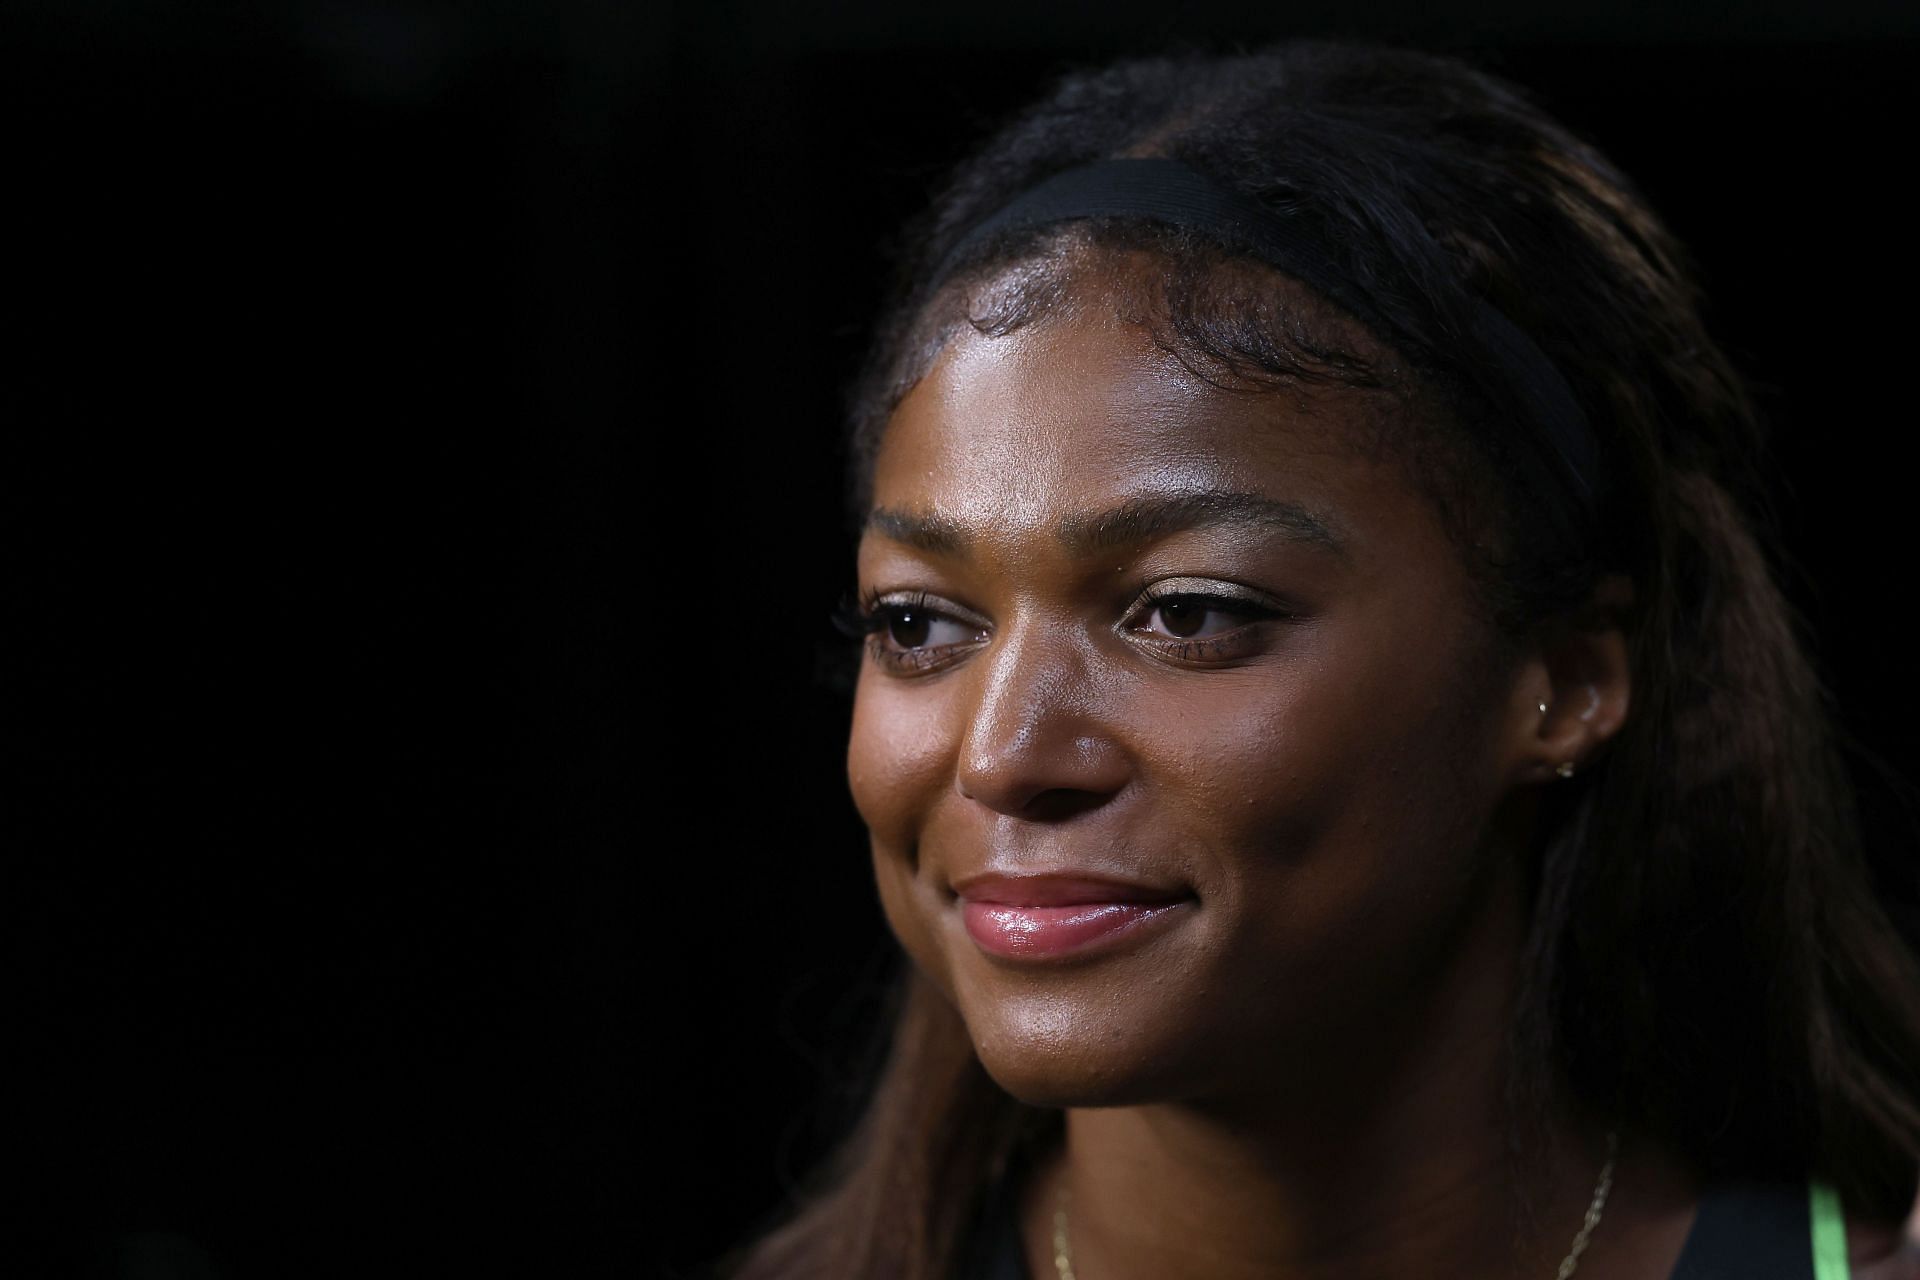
1388	1159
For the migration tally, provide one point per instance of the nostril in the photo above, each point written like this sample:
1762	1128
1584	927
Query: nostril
1058	803
1051	787
1037	742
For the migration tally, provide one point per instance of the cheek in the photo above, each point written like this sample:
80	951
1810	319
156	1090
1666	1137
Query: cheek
1349	784
898	761
1249	766
1363	828
898	767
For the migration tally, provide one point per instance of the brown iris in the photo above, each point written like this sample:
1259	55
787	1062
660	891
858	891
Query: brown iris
909	628
1184	618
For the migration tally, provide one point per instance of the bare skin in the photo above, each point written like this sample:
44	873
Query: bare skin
1310	731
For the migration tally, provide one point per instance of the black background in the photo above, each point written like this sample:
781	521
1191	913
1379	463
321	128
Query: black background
426	844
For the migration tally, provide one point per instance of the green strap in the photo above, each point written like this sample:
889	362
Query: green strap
1829	1232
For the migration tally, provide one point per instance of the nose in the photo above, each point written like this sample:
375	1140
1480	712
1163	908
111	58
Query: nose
1039	741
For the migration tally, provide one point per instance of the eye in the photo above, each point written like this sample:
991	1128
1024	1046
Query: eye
912	626
1200	620
909	634
1196	617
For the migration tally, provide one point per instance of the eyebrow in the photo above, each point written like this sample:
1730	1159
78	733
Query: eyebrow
1136	521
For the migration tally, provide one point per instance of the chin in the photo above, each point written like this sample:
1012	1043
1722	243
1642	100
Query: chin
1055	1059
1044	1085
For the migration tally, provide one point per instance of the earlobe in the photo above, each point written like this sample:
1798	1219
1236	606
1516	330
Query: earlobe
1584	658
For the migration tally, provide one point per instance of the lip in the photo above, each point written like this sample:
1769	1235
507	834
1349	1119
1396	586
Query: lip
1048	917
1059	889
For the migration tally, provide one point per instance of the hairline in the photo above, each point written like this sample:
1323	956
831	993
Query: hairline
1071	269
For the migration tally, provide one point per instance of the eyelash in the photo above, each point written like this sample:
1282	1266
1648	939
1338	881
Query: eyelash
871	618
1207	648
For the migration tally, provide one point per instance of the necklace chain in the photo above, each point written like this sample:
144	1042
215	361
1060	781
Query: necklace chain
1063	1247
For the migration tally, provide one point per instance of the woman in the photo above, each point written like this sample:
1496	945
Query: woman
1348	786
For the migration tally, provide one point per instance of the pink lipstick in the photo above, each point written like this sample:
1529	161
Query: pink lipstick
1041	917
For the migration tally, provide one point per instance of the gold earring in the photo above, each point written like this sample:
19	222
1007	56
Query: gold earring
1565	769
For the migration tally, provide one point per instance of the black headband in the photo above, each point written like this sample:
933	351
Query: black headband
1168	191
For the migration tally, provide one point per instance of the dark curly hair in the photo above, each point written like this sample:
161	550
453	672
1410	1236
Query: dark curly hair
1706	957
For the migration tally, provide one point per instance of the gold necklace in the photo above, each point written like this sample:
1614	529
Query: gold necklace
1063	1248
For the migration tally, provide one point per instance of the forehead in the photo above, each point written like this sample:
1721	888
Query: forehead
1084	411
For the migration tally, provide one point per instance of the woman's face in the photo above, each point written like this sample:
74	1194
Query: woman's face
1179	744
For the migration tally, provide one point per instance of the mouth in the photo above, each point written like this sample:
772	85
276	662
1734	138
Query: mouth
1050	917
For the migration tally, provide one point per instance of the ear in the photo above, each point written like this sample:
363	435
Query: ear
1577	667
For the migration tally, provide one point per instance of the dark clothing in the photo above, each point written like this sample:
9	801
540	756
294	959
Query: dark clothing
1743	1231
